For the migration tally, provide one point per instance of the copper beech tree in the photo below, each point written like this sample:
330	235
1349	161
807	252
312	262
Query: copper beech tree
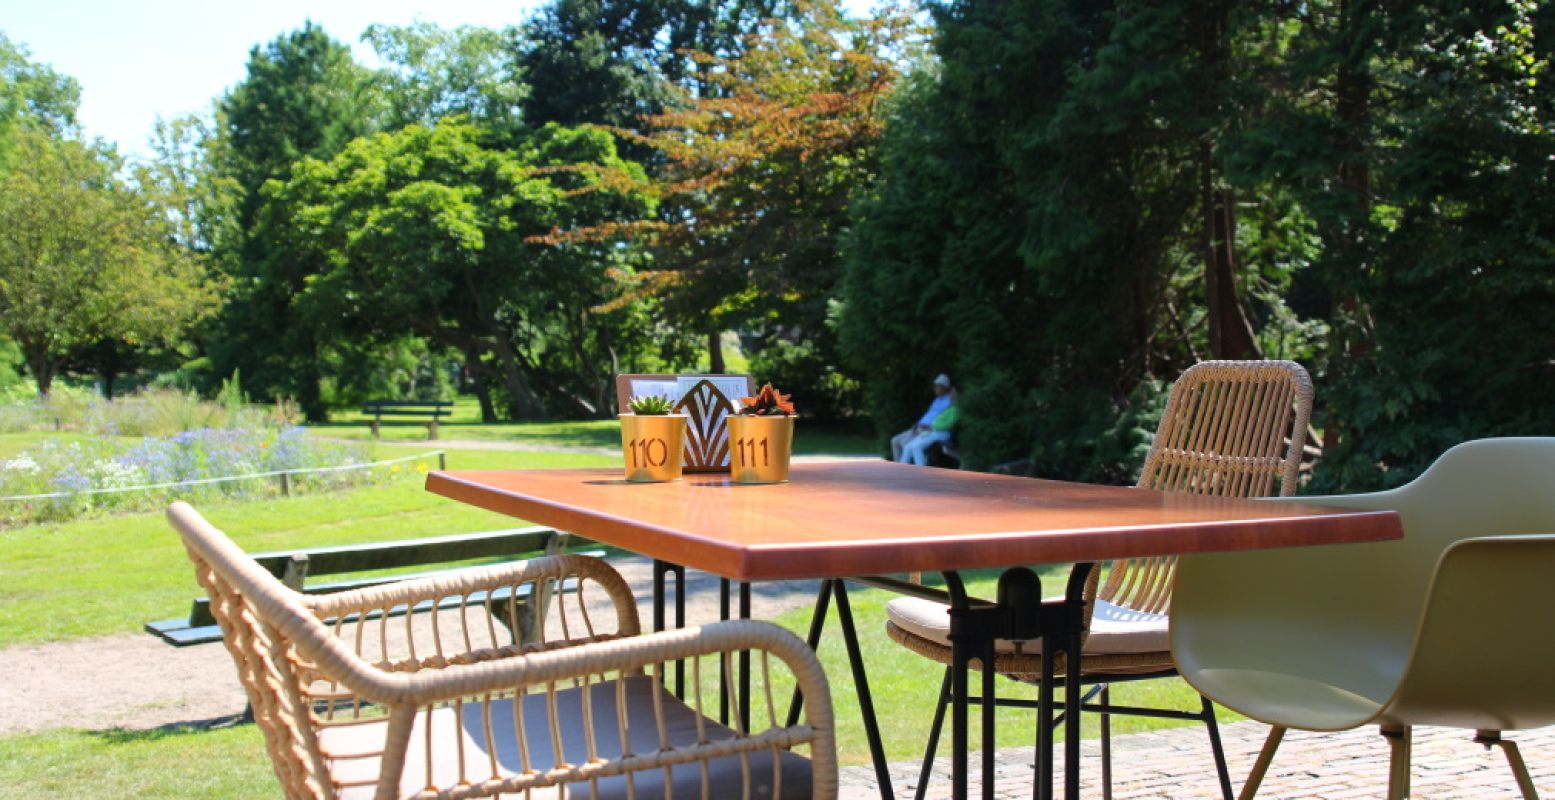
760	154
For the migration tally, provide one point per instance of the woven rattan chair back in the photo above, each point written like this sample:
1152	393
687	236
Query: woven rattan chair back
450	686
1230	429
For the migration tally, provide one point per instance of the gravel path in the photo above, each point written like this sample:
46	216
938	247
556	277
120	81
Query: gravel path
135	681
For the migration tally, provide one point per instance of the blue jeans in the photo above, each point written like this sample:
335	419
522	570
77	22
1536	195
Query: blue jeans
917	450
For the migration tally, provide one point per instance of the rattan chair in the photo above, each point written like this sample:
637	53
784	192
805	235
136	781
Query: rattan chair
1448	626
416	689
1230	429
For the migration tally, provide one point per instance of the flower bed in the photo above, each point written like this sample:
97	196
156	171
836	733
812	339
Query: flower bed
74	473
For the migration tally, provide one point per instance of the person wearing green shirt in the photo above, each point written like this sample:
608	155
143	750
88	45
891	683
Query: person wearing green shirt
940	432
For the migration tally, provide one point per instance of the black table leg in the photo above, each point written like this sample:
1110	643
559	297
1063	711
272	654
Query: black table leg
960	654
723	677
745	661
861	683
1074	613
817	626
661	569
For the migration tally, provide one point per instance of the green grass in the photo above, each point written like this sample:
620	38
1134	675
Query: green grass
465	424
112	574
185	763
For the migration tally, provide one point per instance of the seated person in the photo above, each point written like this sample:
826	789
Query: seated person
944	393
917	450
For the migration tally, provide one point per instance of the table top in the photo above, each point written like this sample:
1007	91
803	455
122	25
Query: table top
853	518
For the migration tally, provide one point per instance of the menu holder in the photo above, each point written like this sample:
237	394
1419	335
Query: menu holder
706	402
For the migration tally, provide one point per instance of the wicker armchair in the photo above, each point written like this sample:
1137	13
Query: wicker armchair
358	696
1230	429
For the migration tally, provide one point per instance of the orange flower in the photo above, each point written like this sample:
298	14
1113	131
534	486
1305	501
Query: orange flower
767	403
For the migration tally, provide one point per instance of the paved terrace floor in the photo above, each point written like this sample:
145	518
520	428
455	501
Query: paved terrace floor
1175	764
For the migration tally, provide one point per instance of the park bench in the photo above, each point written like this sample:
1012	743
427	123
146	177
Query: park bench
295	567
378	409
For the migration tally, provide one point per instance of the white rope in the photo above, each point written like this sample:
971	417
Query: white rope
224	479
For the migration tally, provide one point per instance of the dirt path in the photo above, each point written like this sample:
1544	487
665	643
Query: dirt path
135	681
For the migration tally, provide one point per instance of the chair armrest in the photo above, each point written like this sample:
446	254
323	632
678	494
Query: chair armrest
1482	651
590	665
484	579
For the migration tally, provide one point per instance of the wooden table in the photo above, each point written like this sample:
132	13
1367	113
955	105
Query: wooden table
862	518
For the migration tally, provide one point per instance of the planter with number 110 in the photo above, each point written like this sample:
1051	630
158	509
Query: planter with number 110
653	441
761	438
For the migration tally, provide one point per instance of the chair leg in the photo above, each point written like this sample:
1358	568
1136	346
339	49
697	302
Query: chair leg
1106	744
1261	766
1514	759
934	732
1398	761
1219	751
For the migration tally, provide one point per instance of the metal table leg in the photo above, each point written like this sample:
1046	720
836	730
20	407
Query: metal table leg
661	569
836	588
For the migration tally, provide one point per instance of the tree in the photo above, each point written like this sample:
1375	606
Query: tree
430	231
755	178
303	97
431	73
33	94
85	258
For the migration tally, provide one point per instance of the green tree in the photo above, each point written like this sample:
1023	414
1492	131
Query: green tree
32	94
304	97
430	73
433	231
86	258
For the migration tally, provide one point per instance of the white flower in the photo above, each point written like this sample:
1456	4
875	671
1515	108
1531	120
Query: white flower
22	464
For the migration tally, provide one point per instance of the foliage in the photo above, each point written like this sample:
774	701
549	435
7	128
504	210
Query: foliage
757	167
768	402
32	95
303	97
433	73
651	405
85	258
430	231
152	412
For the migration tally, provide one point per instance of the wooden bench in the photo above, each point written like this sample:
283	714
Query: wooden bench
378	409
294	567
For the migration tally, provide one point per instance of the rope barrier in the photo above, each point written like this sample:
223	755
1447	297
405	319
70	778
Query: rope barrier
284	474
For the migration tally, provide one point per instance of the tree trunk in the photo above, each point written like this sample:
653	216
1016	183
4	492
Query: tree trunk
1352	87
715	353
41	367
480	383
1230	332
522	401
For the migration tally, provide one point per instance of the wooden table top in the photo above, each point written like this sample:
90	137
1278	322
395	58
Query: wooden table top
853	518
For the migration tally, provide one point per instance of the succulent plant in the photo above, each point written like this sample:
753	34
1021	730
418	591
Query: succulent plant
767	403
655	405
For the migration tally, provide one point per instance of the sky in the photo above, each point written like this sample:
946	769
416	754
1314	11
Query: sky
140	59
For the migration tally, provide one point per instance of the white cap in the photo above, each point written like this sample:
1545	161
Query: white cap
942	380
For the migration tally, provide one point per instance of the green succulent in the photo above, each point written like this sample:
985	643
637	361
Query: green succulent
650	405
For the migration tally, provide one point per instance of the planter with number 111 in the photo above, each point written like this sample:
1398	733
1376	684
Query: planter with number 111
653	442
761	438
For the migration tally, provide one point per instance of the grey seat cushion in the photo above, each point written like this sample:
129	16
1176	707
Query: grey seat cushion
1115	630
725	776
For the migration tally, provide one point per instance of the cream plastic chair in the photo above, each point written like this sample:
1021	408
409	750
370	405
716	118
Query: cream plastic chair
1448	626
1230	429
358	699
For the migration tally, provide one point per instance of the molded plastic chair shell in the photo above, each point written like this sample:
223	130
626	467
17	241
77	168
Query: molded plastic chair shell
1447	626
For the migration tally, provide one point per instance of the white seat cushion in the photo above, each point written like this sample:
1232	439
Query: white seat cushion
724	775
1115	630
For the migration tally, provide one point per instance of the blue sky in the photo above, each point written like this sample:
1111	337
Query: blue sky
138	59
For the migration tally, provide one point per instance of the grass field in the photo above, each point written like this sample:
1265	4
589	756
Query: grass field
111	574
464	425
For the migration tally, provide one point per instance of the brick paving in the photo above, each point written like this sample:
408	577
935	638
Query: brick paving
1175	764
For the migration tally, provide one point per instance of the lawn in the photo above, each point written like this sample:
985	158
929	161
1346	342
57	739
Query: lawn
114	573
464	425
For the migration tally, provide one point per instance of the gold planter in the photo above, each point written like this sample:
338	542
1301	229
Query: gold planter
760	448
653	446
